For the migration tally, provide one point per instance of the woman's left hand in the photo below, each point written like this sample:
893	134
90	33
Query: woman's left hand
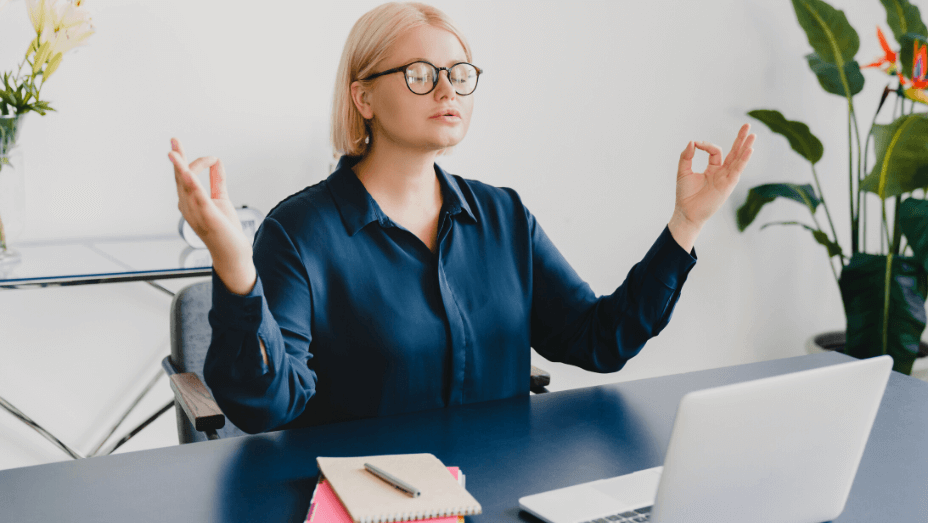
699	195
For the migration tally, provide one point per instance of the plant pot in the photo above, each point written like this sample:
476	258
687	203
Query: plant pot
834	341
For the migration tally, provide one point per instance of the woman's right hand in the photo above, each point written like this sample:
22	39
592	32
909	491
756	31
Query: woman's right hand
214	218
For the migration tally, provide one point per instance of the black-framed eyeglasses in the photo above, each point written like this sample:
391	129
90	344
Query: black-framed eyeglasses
422	77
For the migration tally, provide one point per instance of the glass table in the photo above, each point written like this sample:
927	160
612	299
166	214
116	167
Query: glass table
88	261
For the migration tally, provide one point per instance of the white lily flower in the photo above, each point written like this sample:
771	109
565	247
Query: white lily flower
37	13
67	26
64	23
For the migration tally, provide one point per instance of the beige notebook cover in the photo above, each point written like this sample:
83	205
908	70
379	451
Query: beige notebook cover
370	499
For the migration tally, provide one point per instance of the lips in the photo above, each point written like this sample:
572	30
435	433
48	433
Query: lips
446	112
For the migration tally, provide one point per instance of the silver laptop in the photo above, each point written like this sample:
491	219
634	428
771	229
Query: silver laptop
782	449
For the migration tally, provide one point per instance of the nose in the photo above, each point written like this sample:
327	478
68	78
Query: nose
445	86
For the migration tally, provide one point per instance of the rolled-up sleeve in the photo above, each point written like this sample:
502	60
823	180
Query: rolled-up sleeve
570	324
257	397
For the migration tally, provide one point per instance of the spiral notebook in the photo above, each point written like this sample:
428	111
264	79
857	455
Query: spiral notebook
367	498
324	507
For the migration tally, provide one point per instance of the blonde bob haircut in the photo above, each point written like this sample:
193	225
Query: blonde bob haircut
369	42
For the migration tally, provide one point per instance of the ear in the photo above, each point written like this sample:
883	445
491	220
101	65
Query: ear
361	98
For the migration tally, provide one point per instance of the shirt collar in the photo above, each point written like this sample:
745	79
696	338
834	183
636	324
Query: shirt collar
358	208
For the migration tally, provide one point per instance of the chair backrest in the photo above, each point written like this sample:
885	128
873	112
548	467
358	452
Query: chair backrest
190	338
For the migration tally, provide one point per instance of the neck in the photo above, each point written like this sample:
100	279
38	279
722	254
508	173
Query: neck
400	178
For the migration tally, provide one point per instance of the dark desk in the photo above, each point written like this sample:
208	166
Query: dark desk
507	448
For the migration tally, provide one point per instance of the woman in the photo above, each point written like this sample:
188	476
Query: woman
393	286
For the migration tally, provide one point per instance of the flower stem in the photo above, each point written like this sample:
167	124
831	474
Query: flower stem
888	278
862	204
855	212
827	214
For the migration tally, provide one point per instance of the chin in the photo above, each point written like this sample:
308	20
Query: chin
445	141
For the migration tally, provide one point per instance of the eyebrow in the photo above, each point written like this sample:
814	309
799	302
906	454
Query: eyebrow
455	61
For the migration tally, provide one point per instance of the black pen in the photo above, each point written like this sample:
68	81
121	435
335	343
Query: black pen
393	480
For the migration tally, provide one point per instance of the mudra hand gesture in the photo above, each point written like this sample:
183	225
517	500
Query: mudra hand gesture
699	195
214	218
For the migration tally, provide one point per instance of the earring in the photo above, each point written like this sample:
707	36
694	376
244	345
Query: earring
367	139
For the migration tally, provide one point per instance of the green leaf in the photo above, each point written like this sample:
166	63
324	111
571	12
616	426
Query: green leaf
828	31
764	194
18	97
829	77
913	219
901	157
833	248
903	17
907	51
862	285
800	138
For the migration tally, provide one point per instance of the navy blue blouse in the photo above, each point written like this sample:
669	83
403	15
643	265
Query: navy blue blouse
359	318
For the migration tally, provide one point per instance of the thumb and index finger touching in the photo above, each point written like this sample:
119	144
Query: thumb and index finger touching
186	174
715	153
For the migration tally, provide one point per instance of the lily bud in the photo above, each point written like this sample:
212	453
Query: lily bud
52	65
40	56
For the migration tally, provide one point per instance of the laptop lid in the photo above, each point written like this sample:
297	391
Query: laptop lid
781	449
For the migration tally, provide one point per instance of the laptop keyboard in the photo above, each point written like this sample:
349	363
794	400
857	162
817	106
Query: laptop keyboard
636	516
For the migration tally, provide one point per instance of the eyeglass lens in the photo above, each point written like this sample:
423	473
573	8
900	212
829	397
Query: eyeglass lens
419	78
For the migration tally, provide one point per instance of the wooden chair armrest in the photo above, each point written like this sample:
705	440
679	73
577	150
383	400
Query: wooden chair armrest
198	404
540	380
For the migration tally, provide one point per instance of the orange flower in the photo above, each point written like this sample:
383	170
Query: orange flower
889	56
919	66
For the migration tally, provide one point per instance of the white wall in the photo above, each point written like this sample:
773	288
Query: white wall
584	109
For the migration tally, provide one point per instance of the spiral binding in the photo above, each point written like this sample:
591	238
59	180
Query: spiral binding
412	516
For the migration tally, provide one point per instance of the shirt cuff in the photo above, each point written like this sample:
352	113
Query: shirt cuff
668	261
234	310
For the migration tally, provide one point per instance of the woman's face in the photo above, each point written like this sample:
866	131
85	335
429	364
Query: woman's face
416	121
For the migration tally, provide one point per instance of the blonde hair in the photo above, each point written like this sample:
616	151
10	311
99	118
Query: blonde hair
369	42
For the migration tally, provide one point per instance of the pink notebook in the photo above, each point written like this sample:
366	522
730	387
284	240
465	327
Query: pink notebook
326	508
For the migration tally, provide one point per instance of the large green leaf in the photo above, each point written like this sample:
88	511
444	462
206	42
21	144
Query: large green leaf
903	18
830	78
764	194
833	248
913	219
901	157
800	138
829	32
862	285
907	51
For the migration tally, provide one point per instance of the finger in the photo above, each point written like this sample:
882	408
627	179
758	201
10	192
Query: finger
715	154
177	175
187	177
736	148
746	144
201	163
179	166
175	145
742	162
686	158
217	181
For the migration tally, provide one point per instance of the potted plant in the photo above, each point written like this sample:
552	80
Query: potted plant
60	26
883	288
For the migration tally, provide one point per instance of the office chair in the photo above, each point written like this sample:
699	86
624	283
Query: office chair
198	415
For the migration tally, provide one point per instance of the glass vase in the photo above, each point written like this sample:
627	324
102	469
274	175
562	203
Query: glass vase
12	187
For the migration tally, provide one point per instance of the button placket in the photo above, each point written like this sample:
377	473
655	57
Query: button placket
455	320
